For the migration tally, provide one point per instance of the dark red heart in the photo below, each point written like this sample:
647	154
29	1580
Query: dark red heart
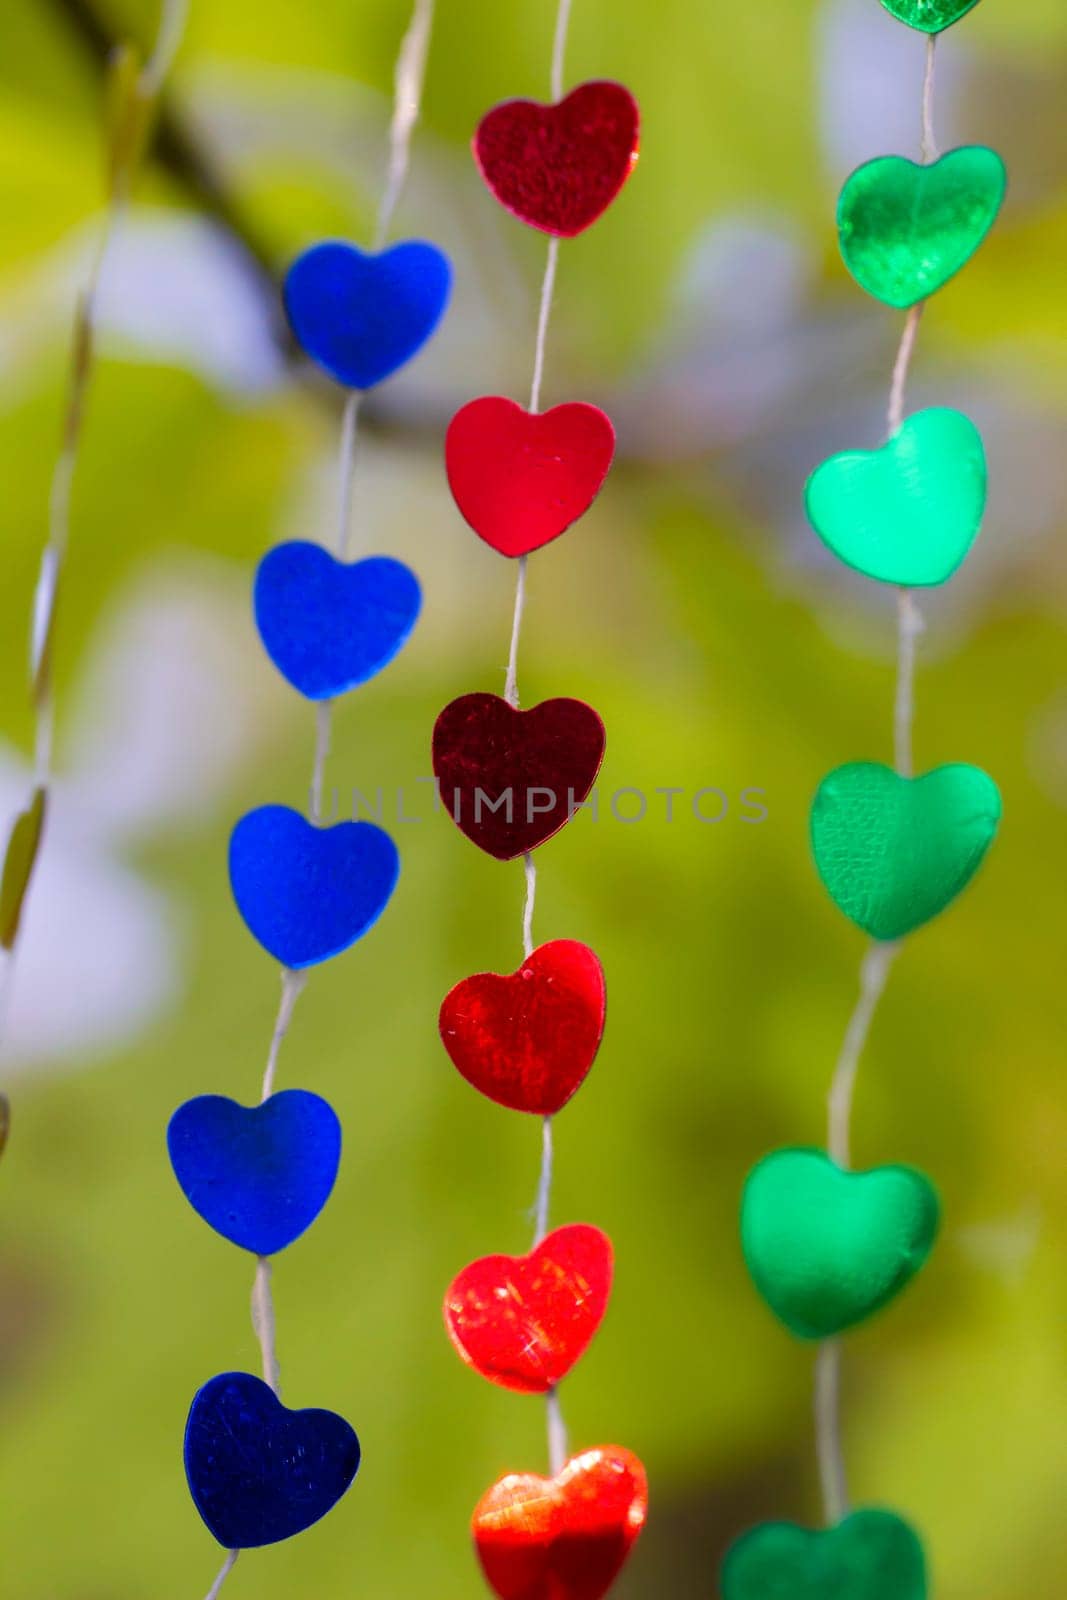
558	167
535	767
527	1040
562	1538
521	478
523	1321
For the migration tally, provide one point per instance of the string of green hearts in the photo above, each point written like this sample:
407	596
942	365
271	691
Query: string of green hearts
828	1247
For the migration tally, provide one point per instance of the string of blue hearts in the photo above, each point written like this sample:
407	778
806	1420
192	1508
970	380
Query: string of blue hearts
828	1247
259	1473
135	88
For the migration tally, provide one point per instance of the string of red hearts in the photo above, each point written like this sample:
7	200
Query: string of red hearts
511	779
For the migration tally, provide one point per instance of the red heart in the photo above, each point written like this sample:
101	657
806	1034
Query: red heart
527	1040
558	167
534	766
562	1538
523	1321
521	478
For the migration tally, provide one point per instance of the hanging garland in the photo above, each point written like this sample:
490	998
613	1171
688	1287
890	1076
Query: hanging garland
260	1175
510	779
826	1246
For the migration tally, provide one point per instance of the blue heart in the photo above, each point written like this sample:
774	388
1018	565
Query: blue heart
308	893
362	316
259	1175
257	1472
328	626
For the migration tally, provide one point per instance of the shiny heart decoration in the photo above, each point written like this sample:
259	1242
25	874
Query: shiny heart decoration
510	779
361	316
329	626
522	478
930	16
558	167
906	229
908	512
259	1175
528	1039
307	893
257	1472
826	1247
871	1555
895	851
562	1538
523	1321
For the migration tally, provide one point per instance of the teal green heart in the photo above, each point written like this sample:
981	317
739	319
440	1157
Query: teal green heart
871	1555
826	1247
895	851
931	16
906	229
908	512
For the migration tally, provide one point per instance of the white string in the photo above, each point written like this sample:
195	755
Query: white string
876	965
548	289
263	1321
557	1433
346	474
528	905
544	1187
559	47
227	1568
172	21
323	733
292	988
828	1430
874	972
407	100
909	626
929	138
901	368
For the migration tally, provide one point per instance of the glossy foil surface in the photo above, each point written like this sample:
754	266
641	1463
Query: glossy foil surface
510	779
523	1321
521	478
527	1040
562	1538
558	167
257	1472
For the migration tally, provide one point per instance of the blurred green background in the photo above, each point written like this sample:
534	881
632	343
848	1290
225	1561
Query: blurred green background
710	314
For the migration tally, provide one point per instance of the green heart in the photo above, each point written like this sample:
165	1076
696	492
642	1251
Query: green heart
905	229
932	16
826	1248
871	1555
894	851
908	512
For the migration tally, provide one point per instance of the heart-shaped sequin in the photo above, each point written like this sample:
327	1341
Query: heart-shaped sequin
909	512
363	316
307	893
522	478
871	1555
562	1538
895	851
527	1039
523	1321
558	167
931	16
826	1247
906	229
259	1175
257	1472
329	626
510	779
